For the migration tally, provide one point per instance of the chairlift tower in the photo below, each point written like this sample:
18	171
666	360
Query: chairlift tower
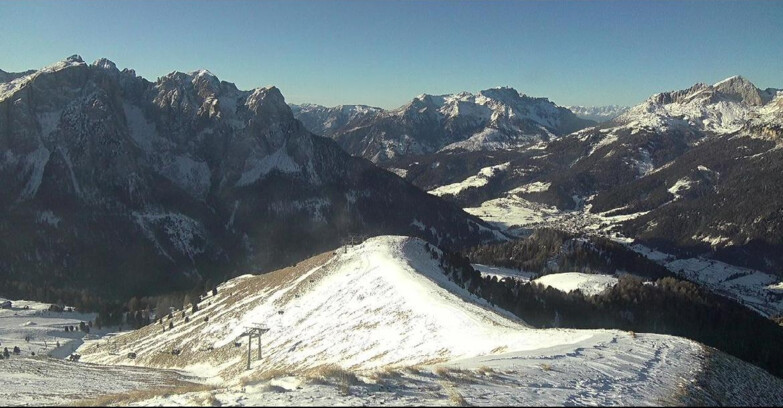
352	240
255	330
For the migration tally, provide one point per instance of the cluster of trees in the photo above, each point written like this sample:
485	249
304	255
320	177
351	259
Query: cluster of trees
666	306
139	312
81	299
551	251
135	312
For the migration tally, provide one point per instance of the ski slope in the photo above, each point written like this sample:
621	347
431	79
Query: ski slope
382	304
379	323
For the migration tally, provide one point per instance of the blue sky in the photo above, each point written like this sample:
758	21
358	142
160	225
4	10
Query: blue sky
384	53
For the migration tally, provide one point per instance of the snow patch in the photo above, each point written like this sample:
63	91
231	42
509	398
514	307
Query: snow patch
190	175
47	217
257	169
588	284
480	179
35	163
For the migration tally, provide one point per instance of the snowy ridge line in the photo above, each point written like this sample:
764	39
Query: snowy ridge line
388	288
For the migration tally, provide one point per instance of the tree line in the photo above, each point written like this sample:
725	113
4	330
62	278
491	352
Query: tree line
551	251
664	305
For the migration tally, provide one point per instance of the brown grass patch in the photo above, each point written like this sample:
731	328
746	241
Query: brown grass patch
415	370
385	373
454	396
453	374
457	398
261	376
484	370
125	398
334	374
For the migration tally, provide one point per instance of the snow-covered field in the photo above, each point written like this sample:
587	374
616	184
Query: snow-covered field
608	368
588	283
754	289
47	378
34	329
36	381
513	213
480	179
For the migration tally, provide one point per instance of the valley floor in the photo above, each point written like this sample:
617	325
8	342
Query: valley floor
517	216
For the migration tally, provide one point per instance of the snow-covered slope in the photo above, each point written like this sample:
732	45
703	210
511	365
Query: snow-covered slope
386	311
480	179
383	303
326	121
588	283
39	375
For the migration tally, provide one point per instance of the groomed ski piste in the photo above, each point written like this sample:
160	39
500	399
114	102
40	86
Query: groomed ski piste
381	324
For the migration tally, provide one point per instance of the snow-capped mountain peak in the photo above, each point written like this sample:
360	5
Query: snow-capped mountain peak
724	107
105	64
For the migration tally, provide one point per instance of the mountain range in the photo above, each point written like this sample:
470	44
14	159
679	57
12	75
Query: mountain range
691	171
126	186
492	119
598	113
194	178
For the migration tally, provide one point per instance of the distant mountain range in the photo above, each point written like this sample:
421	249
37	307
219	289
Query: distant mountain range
493	119
127	186
598	113
694	171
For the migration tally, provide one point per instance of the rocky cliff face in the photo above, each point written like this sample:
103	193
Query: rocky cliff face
130	186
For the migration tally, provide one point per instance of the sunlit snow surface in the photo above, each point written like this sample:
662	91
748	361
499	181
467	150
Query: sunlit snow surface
588	284
46	378
480	179
385	311
378	323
